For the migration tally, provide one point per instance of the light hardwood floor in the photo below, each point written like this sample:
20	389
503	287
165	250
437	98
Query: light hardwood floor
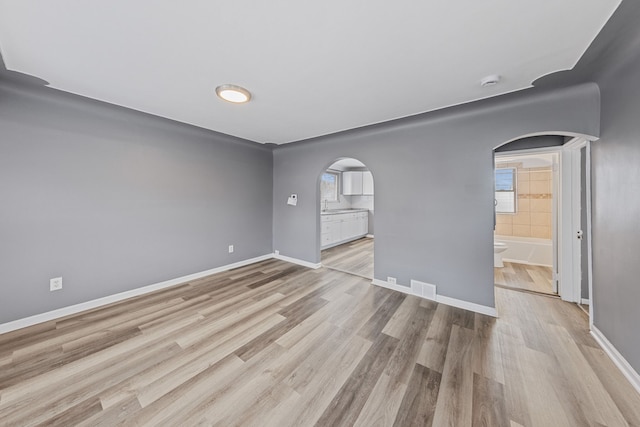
354	257
274	344
526	277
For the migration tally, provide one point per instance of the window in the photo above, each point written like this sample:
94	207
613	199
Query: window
505	190
329	187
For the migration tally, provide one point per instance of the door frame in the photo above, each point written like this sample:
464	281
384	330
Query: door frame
566	213
572	155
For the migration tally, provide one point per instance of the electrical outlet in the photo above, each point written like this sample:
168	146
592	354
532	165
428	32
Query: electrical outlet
230	249
55	284
391	280
277	252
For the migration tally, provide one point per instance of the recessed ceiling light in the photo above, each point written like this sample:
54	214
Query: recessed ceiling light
233	93
491	80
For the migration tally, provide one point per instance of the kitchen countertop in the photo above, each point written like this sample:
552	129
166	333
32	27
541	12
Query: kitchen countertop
341	211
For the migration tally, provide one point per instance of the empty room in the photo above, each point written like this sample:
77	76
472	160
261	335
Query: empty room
332	214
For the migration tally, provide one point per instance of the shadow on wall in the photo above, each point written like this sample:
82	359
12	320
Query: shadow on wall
17	77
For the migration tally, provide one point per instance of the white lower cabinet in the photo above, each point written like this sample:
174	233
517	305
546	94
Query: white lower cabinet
341	228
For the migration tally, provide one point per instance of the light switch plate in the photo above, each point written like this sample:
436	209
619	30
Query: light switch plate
55	284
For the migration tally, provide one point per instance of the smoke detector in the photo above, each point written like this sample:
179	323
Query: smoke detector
491	80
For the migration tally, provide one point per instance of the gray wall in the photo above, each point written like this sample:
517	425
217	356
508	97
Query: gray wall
616	202
433	185
113	199
613	62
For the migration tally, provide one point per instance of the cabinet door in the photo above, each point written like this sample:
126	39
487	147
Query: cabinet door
350	228
364	223
367	183
326	239
351	183
336	229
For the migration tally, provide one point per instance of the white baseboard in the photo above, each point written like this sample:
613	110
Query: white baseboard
399	288
466	305
297	261
627	370
77	308
585	301
370	236
477	308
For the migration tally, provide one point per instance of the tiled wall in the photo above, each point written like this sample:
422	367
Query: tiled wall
533	212
361	202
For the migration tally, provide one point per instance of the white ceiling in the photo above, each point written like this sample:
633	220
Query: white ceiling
313	68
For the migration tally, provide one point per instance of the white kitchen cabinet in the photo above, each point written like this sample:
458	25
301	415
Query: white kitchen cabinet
363	224
349	227
351	183
341	228
355	183
367	183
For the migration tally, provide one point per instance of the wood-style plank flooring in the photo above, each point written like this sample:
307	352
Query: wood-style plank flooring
275	344
532	278
354	257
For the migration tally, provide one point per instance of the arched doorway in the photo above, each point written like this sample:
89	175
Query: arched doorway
346	217
568	204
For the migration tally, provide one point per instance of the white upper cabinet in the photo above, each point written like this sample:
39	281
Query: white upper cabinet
367	183
357	183
351	183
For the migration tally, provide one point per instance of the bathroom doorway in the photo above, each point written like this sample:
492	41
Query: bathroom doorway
346	217
526	220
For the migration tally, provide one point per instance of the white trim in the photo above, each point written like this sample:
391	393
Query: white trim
589	241
99	302
297	261
556	224
576	143
585	301
370	236
519	261
477	308
528	151
577	219
570	257
627	370
399	288
466	305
